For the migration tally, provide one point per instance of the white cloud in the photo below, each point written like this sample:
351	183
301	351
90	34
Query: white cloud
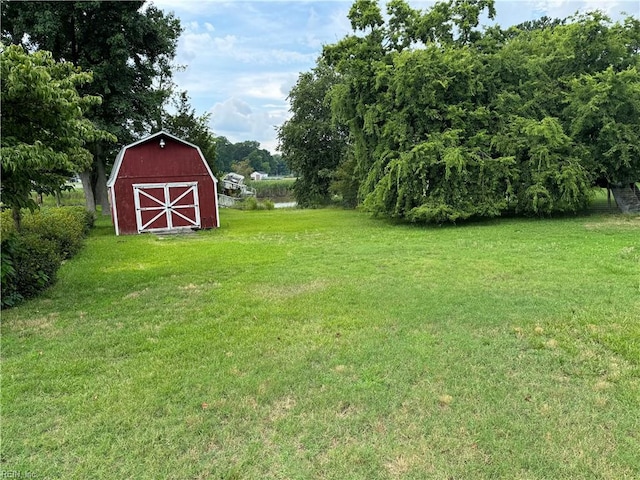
203	45
613	7
238	121
267	85
183	8
226	44
566	8
190	45
267	90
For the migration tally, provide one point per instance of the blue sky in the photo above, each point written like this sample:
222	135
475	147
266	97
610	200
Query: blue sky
241	58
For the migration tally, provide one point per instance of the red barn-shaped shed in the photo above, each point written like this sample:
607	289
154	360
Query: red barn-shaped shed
162	183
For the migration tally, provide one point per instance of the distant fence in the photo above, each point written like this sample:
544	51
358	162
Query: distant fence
226	200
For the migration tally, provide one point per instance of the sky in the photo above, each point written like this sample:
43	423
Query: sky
240	59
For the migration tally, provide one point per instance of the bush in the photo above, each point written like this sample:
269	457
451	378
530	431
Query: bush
250	203
29	265
10	295
6	224
31	258
65	226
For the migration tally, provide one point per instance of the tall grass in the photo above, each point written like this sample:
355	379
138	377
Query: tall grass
276	190
325	344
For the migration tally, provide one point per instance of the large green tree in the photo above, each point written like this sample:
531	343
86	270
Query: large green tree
312	144
567	105
411	94
224	154
44	131
447	121
129	47
603	114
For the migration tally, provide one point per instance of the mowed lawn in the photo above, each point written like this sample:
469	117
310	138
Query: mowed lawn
325	344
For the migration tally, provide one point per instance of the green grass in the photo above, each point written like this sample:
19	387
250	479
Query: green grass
74	196
325	344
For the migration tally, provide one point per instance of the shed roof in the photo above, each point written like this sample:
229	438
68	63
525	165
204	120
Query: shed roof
116	166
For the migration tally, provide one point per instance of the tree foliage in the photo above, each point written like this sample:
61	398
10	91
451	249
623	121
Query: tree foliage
186	124
604	113
247	157
44	130
311	143
128	46
447	121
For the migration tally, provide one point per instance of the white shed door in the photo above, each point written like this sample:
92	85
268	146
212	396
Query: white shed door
166	206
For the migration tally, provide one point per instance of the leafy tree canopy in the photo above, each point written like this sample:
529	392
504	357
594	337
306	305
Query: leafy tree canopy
312	144
446	121
44	131
247	157
129	47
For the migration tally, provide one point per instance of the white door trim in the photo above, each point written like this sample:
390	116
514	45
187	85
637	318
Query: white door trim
164	206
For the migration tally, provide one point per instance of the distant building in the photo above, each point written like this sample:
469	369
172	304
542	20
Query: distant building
256	176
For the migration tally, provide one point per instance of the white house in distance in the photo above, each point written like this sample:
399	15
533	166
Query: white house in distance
256	176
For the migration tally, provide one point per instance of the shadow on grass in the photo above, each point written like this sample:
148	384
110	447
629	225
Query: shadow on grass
102	231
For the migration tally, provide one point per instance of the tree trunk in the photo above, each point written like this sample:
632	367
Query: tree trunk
16	213
102	195
87	186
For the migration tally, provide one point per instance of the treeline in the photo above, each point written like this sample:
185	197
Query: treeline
420	115
246	157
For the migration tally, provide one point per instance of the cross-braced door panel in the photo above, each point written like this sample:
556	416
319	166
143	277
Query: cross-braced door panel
185	211
166	206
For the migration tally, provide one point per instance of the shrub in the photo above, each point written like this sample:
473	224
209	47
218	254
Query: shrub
66	226
29	265
88	218
10	295
31	258
250	203
7	226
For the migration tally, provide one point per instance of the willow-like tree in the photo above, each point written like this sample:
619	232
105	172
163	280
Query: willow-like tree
448	122
413	97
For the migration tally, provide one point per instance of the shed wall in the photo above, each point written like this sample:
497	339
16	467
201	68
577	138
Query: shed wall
148	163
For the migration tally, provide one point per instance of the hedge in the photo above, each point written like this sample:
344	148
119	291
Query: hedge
32	257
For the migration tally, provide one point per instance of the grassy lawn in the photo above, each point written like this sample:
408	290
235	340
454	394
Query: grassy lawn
324	344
